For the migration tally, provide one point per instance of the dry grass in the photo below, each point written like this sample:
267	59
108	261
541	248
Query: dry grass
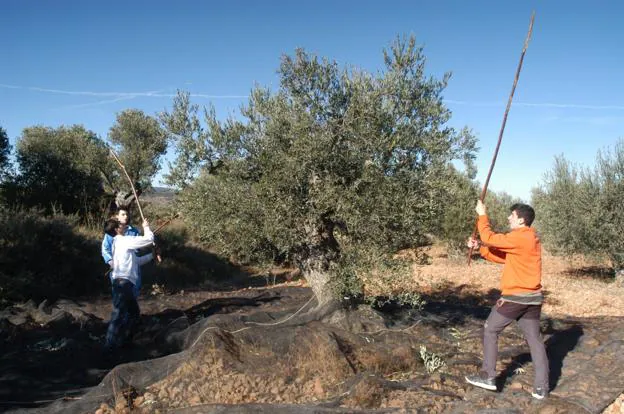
573	286
389	361
617	407
319	356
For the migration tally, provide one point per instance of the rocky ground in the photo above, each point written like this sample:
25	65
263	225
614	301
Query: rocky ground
249	351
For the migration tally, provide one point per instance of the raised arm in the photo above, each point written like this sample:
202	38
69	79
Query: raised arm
499	241
146	258
491	255
145	240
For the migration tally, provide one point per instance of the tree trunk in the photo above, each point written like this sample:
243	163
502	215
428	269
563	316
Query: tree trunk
319	282
315	257
619	276
617	261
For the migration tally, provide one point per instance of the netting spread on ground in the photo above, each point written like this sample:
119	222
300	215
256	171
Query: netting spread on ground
251	352
257	358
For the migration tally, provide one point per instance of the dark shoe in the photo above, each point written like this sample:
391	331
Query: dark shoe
539	393
481	380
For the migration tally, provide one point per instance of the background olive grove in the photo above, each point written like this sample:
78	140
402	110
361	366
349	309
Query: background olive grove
333	171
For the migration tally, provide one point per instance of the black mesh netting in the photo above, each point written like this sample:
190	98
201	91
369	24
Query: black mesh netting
268	351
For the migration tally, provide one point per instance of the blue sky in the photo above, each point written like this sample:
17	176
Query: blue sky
68	62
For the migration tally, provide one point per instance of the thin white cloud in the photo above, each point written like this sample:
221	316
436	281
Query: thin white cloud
203	95
471	103
82	93
538	104
118	95
103	102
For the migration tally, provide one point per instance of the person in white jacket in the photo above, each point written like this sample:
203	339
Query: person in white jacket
125	276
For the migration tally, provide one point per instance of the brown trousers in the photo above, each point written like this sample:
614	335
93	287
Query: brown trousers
527	317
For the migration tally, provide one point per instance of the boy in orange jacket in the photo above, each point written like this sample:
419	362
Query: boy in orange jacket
520	251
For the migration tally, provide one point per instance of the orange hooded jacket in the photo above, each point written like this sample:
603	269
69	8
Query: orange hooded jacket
520	251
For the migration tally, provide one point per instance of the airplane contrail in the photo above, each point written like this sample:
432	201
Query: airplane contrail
160	94
128	95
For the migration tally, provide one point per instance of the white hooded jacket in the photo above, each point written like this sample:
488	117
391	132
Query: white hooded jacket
125	261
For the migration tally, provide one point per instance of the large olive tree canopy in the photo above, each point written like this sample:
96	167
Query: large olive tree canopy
335	162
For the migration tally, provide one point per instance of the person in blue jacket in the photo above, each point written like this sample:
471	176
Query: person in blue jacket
126	313
123	217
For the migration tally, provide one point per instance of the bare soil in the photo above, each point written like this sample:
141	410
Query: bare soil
573	286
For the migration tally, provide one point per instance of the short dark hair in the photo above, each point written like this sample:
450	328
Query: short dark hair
524	211
110	227
123	208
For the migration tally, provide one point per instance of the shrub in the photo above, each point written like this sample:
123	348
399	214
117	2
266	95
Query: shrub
579	210
47	257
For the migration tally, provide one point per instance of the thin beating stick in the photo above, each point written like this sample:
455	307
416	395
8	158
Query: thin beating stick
166	222
136	197
500	135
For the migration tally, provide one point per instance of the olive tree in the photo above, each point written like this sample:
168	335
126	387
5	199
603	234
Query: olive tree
580	209
141	142
5	151
61	169
335	166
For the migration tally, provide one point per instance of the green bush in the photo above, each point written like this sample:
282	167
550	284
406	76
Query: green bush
5	152
498	204
185	264
60	171
579	210
459	217
47	257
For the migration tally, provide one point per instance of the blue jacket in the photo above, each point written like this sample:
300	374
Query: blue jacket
107	253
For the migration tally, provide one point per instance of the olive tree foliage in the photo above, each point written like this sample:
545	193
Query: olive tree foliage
140	142
608	186
335	166
460	217
5	151
61	169
194	148
579	210
499	208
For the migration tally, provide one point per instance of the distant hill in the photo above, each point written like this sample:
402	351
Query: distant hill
158	195
158	190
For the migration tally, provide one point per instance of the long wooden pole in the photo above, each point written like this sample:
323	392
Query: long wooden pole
136	197
502	130
166	222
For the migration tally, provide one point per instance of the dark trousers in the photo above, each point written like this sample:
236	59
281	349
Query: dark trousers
527	317
125	315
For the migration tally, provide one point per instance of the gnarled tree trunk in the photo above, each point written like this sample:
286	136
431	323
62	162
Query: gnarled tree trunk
315	257
319	282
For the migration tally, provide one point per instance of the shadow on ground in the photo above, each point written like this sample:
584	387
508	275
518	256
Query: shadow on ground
559	344
56	351
602	273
